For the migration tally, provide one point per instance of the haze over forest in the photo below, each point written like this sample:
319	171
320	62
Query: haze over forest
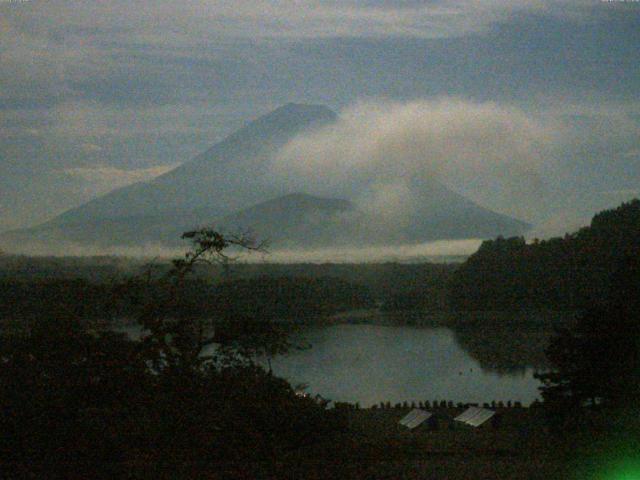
417	122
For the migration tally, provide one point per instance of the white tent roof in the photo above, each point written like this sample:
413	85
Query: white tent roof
414	418
475	416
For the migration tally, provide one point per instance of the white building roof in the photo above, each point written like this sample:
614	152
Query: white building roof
414	418
475	416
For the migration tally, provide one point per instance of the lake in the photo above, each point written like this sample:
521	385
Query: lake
374	363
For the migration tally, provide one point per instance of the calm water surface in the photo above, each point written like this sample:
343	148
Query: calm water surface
374	363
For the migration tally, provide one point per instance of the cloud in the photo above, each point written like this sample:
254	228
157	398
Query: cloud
86	119
36	67
493	153
445	250
162	52
633	154
390	201
165	21
102	179
623	193
577	210
160	81
90	148
421	252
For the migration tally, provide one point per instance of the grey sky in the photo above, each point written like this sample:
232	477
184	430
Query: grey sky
97	94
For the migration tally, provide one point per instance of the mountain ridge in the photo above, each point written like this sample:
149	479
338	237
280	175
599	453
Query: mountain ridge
186	186
229	186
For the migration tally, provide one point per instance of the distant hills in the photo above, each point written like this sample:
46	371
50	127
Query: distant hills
230	186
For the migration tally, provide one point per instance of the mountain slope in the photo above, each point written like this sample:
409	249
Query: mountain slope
300	220
231	186
222	179
294	220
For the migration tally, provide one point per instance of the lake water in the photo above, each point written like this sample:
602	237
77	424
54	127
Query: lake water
370	364
374	363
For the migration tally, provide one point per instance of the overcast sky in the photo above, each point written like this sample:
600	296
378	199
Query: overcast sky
95	95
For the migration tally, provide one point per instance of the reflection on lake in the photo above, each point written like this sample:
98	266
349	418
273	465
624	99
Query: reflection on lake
506	350
374	363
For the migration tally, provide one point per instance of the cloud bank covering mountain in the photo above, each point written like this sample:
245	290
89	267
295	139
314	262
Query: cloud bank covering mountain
301	176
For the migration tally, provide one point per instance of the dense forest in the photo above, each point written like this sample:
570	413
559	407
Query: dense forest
107	288
559	274
380	278
279	298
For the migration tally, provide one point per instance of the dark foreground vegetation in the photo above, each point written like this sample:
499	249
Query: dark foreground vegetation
81	401
77	404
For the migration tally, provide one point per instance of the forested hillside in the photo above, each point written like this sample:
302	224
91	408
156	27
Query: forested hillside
560	273
283	298
92	287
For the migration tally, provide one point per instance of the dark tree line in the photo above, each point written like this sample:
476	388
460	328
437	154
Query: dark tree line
286	298
596	361
566	273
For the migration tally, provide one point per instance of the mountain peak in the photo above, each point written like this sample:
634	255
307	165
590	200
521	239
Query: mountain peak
276	127
295	116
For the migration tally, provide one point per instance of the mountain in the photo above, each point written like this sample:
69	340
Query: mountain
300	220
225	178
231	186
294	220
